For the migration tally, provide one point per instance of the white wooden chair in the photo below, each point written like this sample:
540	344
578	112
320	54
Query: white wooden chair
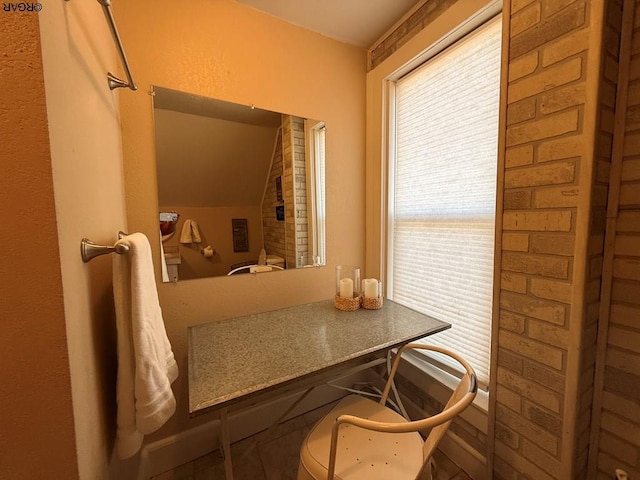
360	439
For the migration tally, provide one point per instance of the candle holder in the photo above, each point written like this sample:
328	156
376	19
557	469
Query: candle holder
347	288
371	294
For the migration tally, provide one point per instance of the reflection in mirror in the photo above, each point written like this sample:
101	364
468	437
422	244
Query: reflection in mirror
240	189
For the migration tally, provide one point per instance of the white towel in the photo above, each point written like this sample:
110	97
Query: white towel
190	232
146	365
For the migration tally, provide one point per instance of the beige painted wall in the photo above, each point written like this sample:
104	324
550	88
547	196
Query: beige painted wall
36	417
221	49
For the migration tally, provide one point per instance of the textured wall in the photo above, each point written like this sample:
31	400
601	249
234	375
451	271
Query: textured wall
37	434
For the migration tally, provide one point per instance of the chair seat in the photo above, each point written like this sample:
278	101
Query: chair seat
362	454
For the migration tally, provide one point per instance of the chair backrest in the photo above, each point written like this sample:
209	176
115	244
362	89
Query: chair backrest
460	399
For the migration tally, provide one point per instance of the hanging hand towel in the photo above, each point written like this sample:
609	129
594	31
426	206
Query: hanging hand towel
190	232
146	365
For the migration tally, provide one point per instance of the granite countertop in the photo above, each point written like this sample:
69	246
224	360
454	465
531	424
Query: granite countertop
232	358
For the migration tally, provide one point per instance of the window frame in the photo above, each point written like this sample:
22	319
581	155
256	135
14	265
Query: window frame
390	190
317	191
453	24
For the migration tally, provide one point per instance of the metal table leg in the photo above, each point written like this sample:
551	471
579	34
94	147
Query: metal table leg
226	444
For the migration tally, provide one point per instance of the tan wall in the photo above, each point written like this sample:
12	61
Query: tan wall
207	162
37	434
224	50
214	224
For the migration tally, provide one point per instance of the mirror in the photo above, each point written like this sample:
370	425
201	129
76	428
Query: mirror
240	189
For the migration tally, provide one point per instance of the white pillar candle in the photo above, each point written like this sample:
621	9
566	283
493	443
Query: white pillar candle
346	288
370	288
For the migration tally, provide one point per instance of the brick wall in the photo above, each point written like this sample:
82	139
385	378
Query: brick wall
557	154
608	86
294	186
273	230
619	414
545	341
300	192
287	187
425	12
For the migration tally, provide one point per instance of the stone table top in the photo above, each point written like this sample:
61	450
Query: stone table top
244	356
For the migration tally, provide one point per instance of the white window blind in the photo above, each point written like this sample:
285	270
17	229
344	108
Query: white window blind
442	192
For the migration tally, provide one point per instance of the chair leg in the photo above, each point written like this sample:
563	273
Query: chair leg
432	469
429	471
226	445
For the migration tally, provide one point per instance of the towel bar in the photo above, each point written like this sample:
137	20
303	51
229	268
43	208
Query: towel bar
90	250
113	81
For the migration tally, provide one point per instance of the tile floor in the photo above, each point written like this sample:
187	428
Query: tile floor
276	458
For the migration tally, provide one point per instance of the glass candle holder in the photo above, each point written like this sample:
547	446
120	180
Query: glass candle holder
371	288
348	283
372	294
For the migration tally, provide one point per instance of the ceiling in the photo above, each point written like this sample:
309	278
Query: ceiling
356	22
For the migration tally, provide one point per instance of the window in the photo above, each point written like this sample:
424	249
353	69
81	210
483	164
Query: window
442	191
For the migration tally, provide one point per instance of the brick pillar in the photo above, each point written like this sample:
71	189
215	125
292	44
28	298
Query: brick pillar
544	337
288	141
300	191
